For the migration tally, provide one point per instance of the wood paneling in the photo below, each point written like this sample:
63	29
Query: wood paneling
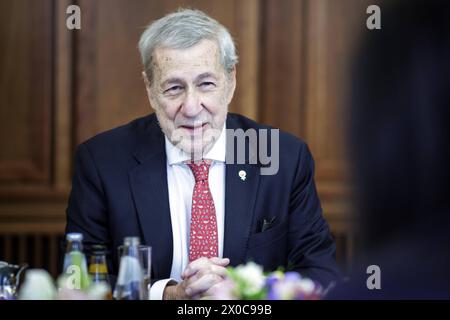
282	69
35	153
26	91
60	87
332	28
247	23
64	85
305	65
34	249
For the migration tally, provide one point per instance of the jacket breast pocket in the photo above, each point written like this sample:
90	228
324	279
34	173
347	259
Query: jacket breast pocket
275	233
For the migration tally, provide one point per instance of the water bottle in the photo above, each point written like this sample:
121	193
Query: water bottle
75	268
98	268
130	282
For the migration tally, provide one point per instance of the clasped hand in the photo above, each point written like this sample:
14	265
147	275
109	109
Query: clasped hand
199	280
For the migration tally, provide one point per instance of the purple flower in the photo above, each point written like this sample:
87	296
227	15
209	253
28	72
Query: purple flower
273	295
272	279
292	276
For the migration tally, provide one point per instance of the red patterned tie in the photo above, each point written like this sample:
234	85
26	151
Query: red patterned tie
203	234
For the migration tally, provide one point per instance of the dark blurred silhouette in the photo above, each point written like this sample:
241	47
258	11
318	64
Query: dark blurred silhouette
400	134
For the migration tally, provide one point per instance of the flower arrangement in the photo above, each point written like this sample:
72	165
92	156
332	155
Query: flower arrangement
249	282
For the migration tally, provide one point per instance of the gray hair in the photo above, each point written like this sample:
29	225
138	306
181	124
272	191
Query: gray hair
183	29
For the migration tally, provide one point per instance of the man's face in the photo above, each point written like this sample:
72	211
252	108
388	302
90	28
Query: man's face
190	93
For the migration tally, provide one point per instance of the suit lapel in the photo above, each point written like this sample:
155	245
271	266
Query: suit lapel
148	183
240	197
150	192
239	207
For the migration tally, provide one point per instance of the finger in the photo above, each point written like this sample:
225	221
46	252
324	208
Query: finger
211	268
203	284
194	267
219	270
203	263
212	293
220	261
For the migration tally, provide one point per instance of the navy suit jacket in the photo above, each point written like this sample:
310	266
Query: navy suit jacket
120	189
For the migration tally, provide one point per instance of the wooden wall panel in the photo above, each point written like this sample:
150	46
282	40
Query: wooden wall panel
35	130
333	31
60	87
282	69
64	88
329	40
307	49
26	88
333	28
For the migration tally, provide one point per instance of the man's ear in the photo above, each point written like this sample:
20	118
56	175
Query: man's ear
232	84
147	83
148	88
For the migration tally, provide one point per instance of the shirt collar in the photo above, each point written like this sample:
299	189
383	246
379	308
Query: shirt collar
217	152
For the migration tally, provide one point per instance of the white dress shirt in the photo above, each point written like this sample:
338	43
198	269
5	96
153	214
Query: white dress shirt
181	183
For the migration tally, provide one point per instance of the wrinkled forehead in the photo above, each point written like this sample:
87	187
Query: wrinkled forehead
202	57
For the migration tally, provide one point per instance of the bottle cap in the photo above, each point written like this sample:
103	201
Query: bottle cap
98	249
131	241
74	236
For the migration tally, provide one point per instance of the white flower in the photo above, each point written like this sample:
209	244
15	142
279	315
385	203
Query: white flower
285	290
307	286
252	277
98	291
38	285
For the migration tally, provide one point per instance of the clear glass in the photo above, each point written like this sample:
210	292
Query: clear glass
145	256
130	282
10	278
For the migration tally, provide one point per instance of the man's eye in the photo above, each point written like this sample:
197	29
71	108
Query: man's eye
207	84
173	89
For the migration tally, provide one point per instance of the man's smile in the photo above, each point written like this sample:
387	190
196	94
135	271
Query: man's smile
195	129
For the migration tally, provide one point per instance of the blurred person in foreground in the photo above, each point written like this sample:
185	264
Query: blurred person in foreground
400	130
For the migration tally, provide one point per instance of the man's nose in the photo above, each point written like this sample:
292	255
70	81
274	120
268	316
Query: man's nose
192	104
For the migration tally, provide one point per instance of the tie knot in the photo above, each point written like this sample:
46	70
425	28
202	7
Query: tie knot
200	170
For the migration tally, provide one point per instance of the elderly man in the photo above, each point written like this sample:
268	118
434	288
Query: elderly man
168	177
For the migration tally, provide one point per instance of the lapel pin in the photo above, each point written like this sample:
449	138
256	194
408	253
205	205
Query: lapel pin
242	175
